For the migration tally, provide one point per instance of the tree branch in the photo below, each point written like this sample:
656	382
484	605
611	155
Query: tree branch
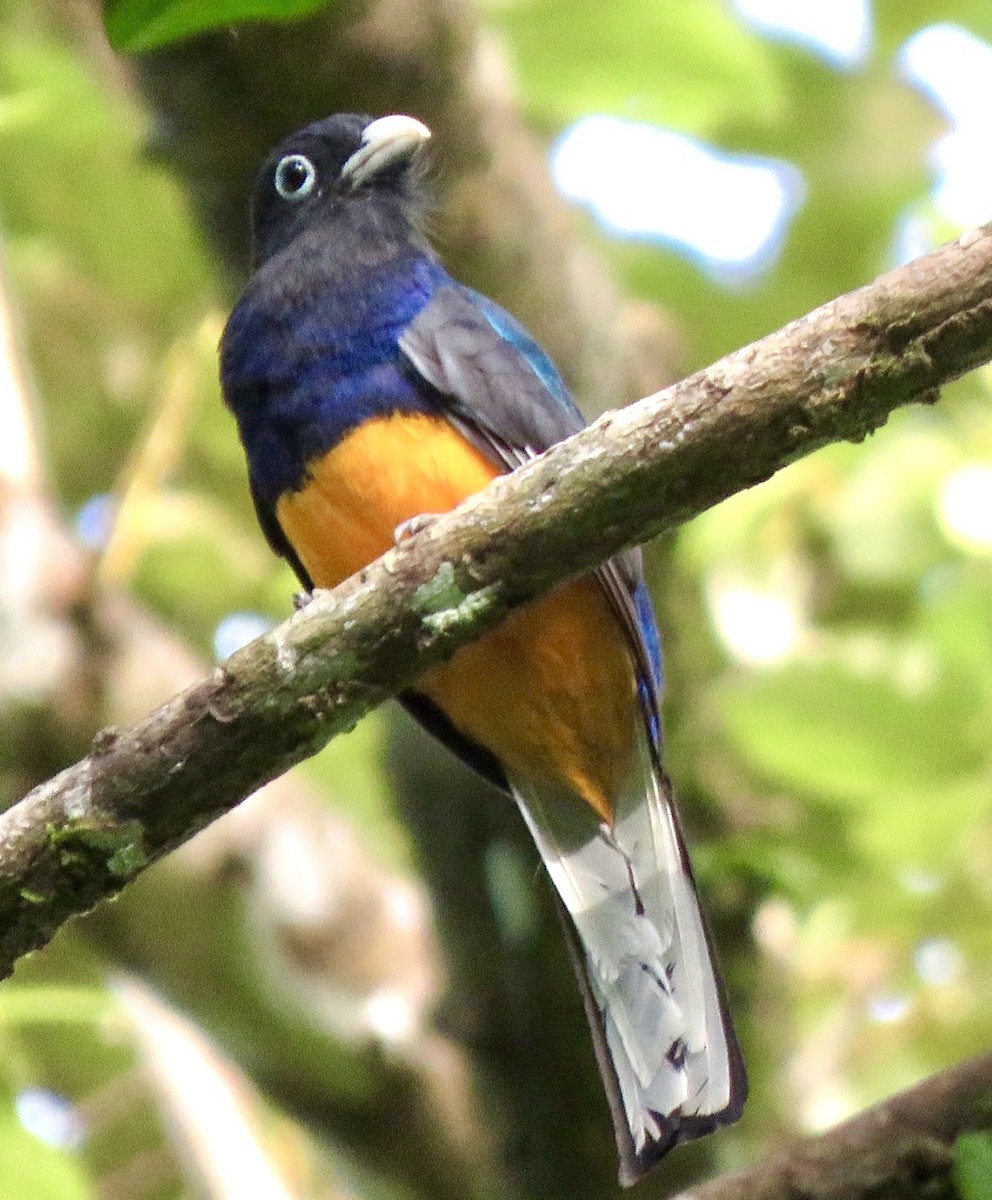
901	1148
835	374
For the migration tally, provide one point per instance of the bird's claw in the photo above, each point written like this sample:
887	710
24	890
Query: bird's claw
406	529
301	600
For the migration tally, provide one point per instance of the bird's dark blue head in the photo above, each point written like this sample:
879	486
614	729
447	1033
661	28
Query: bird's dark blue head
318	177
312	347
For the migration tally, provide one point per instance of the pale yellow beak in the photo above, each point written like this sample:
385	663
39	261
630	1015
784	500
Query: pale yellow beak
386	141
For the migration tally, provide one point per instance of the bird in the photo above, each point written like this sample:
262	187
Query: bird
372	391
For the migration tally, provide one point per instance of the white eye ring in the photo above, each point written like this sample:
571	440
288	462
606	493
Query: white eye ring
295	177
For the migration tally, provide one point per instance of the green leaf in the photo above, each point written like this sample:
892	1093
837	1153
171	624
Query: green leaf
134	25
973	1166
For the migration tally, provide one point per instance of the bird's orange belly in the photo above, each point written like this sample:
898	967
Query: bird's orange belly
551	691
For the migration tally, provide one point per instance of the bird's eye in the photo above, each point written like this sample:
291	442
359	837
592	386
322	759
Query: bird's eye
295	177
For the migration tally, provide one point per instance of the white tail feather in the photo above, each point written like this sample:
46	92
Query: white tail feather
629	892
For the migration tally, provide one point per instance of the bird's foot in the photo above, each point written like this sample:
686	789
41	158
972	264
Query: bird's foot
406	529
301	600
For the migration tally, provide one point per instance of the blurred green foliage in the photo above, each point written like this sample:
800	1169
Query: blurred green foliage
135	25
697	51
850	755
74	1112
973	1166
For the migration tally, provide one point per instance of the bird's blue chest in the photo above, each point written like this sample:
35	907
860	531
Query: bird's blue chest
303	366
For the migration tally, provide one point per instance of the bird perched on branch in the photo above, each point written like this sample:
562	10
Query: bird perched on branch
370	390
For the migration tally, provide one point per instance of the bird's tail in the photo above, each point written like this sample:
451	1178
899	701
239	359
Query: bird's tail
664	1039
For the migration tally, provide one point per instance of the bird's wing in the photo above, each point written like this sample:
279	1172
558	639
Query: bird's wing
664	1040
496	376
505	395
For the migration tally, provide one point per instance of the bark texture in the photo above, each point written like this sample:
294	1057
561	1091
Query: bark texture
900	1149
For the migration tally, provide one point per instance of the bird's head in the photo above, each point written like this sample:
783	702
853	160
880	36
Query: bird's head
344	163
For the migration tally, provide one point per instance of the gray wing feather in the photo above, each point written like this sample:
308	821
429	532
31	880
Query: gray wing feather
512	412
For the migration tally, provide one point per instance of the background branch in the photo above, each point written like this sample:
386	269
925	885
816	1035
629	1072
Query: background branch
899	1149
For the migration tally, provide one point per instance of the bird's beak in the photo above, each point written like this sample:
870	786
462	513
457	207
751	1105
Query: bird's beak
387	141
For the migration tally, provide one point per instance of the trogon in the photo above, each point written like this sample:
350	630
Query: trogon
370	389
